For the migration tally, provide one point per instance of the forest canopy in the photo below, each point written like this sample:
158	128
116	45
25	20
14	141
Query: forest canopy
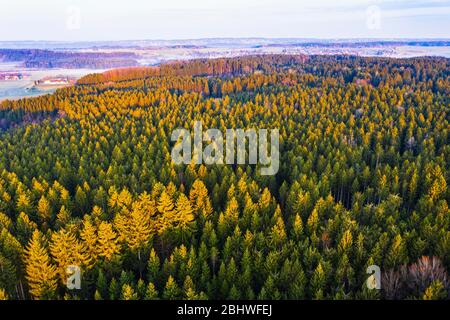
86	179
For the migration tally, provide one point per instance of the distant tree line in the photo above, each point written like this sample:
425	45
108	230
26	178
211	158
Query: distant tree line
37	58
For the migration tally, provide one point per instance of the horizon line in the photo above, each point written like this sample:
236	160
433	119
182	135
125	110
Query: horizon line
374	39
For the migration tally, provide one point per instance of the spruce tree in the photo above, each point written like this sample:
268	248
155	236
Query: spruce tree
42	276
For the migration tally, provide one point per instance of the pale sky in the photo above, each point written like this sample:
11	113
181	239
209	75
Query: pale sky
85	20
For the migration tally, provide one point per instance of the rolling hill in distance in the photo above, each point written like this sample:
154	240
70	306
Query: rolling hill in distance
23	63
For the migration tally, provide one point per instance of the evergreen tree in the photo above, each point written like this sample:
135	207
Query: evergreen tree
128	293
184	216
40	273
171	290
66	251
107	245
151	293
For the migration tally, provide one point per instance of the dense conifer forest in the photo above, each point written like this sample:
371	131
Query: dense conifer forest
86	179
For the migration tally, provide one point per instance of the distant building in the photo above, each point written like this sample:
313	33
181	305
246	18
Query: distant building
11	76
54	81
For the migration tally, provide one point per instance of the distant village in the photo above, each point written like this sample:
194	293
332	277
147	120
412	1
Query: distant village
46	81
12	76
58	81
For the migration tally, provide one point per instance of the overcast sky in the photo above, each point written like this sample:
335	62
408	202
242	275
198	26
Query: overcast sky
79	20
